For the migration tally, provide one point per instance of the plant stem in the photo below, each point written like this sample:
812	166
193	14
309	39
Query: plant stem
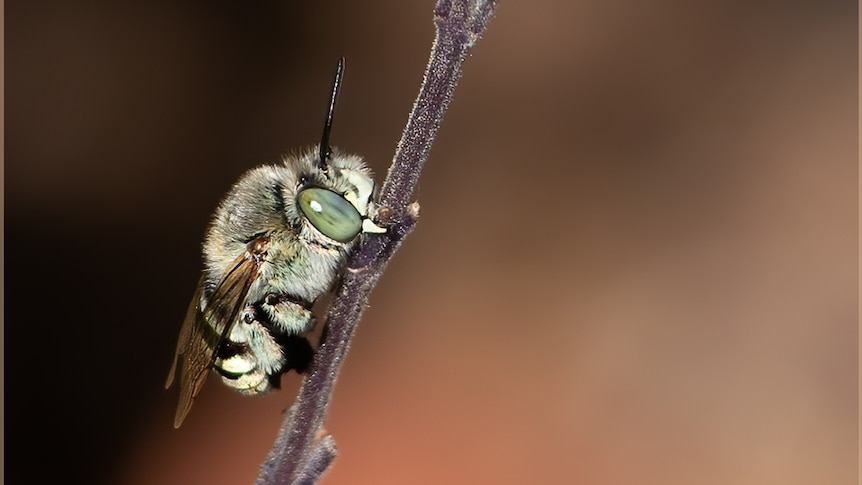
302	451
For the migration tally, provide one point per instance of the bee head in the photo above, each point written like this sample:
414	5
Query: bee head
334	192
336	201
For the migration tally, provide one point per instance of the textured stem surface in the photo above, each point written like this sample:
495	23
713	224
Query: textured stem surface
302	451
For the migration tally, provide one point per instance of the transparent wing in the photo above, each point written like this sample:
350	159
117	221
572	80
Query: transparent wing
203	331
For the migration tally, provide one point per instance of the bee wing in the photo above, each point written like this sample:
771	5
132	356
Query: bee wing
188	328
203	331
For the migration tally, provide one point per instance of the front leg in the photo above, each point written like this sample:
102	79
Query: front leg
286	315
288	320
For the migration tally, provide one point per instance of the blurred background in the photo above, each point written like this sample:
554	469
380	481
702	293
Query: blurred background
636	263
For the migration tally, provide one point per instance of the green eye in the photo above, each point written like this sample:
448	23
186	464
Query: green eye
330	213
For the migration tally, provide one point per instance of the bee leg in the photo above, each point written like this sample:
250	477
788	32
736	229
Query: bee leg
286	315
287	320
298	353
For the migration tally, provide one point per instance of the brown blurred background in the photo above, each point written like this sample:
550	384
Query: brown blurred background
636	261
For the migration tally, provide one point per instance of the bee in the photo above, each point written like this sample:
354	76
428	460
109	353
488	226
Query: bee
278	241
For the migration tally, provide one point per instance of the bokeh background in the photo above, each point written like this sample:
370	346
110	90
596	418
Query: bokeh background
636	261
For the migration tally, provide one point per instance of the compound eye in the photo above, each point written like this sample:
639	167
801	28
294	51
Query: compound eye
330	213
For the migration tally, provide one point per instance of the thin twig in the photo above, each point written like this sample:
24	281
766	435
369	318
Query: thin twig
302	452
322	456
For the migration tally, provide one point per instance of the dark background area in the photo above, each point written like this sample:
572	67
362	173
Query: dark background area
636	261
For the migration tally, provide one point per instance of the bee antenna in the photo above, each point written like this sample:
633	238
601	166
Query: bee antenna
325	149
